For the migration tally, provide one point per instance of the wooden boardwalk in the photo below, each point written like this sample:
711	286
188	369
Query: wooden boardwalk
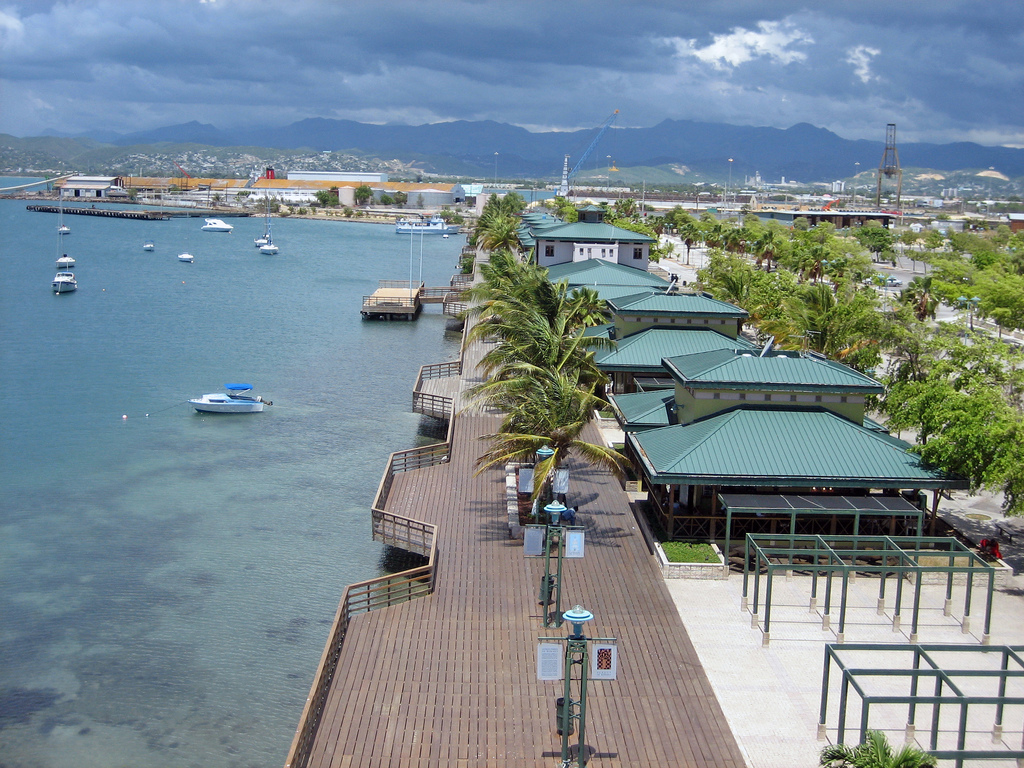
450	679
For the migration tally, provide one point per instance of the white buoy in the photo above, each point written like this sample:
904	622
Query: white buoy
124	416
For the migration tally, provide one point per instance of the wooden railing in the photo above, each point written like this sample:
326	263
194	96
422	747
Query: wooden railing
453	306
403	532
438	371
462	280
358	598
388	301
437	406
413	535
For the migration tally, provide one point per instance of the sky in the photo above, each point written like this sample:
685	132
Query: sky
941	70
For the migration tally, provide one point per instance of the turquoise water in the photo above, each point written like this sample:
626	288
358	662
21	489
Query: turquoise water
168	580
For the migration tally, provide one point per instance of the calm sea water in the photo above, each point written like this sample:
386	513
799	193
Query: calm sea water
167	580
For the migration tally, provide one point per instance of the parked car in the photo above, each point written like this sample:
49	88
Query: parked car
892	282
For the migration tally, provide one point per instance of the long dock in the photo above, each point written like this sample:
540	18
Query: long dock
107	212
435	667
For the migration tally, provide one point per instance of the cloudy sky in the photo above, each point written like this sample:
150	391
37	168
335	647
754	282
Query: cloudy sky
942	70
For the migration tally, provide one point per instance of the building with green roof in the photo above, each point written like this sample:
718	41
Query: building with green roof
778	423
636	362
559	242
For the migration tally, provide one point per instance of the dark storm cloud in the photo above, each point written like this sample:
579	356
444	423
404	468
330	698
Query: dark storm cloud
942	71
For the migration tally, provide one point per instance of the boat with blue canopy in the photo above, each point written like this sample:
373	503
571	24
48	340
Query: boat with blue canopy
234	400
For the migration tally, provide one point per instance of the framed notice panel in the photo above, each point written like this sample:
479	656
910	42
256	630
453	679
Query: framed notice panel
533	541
550	659
604	661
574	543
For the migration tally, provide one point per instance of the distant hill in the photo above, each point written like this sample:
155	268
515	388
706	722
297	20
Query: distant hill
802	152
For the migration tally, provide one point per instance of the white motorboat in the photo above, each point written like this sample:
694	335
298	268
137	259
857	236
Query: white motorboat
149	245
65	263
64	282
435	225
216	225
186	257
235	400
64	229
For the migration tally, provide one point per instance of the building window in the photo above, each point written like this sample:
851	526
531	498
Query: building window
638	253
549	251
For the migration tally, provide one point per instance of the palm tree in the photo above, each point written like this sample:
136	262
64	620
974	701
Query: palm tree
918	294
691	233
766	246
498	231
546	408
875	752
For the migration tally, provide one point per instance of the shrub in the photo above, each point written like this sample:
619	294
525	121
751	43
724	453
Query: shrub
689	552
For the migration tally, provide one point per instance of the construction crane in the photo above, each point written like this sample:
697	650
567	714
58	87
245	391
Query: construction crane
185	174
567	175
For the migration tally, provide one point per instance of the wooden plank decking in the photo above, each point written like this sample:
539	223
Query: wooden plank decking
450	679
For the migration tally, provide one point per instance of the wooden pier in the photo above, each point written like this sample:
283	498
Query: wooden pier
403	300
109	213
436	666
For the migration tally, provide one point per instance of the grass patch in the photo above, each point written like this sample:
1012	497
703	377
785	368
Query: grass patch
689	552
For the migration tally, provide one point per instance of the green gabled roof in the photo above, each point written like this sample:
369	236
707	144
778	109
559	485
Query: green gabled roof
590	232
775	371
645	410
659	303
644	350
597	273
758	446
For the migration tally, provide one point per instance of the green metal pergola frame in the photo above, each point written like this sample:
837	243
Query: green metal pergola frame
946	692
798	506
899	556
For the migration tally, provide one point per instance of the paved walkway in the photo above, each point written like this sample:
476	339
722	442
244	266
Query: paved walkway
771	695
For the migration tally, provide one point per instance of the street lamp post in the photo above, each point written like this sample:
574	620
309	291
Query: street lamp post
554	535
495	169
856	172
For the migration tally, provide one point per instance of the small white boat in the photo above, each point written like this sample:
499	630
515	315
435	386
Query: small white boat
216	225
263	239
268	246
235	400
64	229
64	282
186	257
149	245
65	263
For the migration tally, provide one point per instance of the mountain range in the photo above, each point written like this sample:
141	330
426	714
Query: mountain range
802	151
695	151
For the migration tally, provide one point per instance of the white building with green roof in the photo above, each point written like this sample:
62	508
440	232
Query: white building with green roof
558	242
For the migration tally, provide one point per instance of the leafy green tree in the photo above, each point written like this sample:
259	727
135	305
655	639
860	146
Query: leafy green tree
386	199
876	239
327	197
401	198
875	752
363	194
